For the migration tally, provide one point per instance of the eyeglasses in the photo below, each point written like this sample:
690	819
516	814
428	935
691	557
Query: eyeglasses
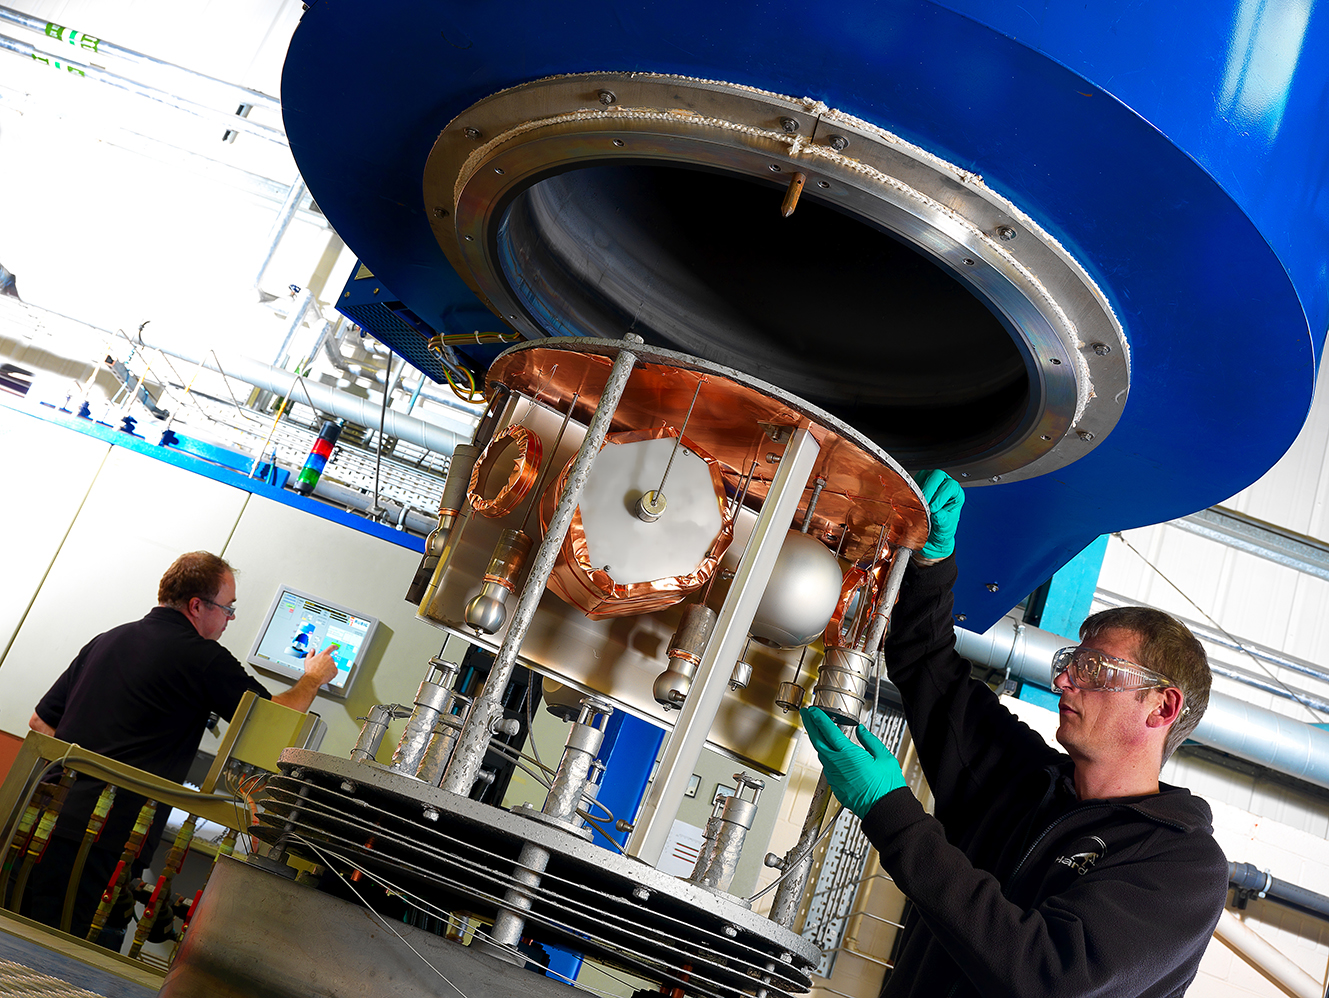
228	610
1091	669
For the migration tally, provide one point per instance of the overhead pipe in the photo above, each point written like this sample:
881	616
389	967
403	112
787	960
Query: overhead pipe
1224	640
255	99
1229	724
352	408
100	46
395	514
1251	881
233	122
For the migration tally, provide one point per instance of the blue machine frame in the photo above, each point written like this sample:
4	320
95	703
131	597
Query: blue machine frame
1179	151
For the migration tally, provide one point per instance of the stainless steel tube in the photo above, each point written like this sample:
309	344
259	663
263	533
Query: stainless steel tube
474	739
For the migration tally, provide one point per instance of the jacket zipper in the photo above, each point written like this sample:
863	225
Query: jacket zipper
1044	834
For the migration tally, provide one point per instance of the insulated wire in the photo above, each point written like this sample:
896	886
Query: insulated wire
386	924
793	863
1296	697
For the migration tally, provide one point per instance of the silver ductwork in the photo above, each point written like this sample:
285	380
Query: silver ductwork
1230	725
365	412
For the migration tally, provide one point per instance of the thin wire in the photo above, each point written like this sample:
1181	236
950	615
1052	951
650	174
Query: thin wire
386	923
428	908
1296	697
793	863
531	403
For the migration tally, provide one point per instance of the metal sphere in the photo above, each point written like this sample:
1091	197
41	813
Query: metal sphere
801	595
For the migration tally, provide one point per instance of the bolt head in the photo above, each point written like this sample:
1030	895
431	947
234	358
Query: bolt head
993	587
606	97
1084	435
471	133
440	212
348	786
838	142
618	142
789	125
1005	233
1102	349
995	478
431	814
641	893
962	616
730	931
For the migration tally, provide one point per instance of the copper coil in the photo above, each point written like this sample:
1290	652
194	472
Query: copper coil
854	580
525	467
593	590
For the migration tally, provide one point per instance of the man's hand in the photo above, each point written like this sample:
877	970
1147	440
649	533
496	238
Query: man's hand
944	498
322	666
859	777
319	669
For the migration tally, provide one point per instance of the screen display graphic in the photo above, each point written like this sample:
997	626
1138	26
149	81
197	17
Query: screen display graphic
299	624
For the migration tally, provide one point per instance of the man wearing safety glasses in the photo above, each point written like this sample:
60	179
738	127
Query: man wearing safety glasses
1043	873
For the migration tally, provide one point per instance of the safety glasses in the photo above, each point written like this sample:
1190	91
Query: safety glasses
1091	669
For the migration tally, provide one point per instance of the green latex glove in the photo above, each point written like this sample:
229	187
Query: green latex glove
859	777
944	498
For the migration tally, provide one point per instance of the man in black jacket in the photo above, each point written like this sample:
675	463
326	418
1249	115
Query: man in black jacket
141	693
1043	873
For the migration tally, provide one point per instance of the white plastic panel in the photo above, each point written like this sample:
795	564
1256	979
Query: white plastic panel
47	474
140	514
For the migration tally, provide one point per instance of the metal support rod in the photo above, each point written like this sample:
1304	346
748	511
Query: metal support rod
881	614
798	860
470	750
731	629
303	301
279	226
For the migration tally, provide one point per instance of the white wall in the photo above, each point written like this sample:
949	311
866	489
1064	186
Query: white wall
96	526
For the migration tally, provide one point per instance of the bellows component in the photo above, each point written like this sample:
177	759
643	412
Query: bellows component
684	654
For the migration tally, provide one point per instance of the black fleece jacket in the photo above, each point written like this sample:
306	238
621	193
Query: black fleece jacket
1019	888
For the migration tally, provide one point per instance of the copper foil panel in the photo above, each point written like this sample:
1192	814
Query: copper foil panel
595	591
737	420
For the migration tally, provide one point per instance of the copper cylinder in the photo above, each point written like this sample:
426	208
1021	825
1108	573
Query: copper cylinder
520	475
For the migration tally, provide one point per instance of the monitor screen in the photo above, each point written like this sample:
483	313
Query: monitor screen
300	624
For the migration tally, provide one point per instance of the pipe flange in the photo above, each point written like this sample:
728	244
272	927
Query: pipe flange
1075	357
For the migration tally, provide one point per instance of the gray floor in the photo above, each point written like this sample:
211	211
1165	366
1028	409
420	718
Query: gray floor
31	968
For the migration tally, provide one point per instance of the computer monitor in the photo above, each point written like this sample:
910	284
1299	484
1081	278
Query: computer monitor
300	624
